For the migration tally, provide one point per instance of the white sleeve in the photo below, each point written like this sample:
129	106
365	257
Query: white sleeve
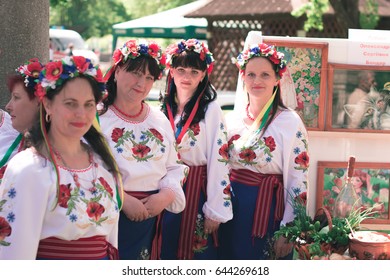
295	167
174	178
24	199
218	206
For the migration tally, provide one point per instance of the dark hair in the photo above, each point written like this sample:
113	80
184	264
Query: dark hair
189	59
140	63
14	79
94	138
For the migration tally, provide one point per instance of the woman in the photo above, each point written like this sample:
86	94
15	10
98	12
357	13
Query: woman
143	144
23	109
61	190
199	126
268	158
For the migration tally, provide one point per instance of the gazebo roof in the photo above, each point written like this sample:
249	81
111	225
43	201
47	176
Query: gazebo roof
234	9
245	8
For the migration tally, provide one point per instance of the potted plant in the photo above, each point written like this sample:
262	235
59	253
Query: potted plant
323	234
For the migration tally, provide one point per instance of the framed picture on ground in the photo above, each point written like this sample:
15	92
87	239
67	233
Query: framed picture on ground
371	182
303	85
356	101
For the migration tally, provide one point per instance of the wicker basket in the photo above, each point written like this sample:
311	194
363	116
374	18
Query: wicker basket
325	218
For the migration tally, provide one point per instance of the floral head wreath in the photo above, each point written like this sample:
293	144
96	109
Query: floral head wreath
30	71
261	50
194	45
55	73
133	49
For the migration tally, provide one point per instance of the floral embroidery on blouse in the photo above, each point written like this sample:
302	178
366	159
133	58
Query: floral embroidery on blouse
302	159
69	197
142	150
248	156
2	171
200	237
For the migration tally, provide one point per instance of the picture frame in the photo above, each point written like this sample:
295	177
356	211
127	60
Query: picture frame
372	180
306	76
354	104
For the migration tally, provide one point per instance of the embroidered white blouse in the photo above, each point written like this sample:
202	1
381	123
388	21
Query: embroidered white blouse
283	149
146	154
206	144
28	197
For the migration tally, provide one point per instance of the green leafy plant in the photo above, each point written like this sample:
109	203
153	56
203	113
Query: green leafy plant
323	234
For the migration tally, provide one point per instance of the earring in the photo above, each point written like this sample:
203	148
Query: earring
47	118
114	79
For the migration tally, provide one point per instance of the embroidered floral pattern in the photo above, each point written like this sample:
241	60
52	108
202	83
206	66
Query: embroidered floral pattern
144	254
200	237
151	142
5	231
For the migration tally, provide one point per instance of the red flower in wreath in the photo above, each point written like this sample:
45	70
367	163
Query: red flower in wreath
117	133
64	196
81	63
95	210
106	186
53	70
5	229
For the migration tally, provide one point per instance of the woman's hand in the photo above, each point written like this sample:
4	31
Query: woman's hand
210	226
134	209
282	247
156	203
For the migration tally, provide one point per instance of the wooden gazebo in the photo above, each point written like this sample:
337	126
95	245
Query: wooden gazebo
229	21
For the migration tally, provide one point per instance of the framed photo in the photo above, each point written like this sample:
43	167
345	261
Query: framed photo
370	180
303	85
356	101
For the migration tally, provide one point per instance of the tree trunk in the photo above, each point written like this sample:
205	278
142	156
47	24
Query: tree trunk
346	12
24	35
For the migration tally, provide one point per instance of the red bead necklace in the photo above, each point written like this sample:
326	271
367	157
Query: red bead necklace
249	114
130	116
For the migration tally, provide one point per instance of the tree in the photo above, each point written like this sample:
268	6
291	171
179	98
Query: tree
89	18
143	8
347	13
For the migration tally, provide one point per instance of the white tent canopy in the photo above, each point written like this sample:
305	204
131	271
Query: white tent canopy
167	24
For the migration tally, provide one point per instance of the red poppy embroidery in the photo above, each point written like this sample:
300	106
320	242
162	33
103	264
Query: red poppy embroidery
64	196
302	160
140	150
195	128
5	229
106	186
95	210
199	243
157	134
116	134
270	143
227	190
233	138
2	171
224	151
247	155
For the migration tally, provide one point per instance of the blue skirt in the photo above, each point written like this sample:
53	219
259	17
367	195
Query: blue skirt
135	238
203	245
235	236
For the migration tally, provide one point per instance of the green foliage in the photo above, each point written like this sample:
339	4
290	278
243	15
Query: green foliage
140	8
89	18
369	18
314	10
316	235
